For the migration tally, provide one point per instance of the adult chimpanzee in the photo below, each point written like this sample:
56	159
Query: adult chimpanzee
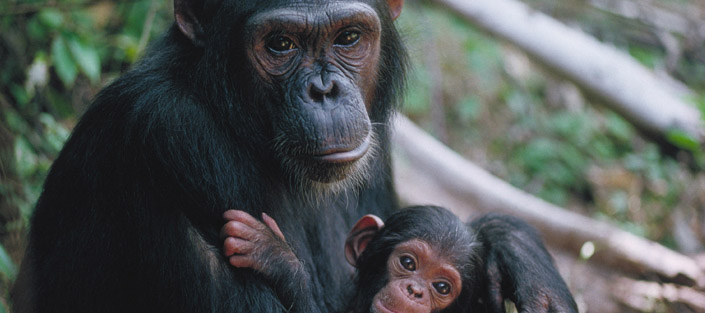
280	106
423	260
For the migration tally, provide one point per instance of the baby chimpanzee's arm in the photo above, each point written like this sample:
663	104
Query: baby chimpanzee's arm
262	247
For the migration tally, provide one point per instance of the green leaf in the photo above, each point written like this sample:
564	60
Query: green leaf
7	267
469	109
27	159
417	95
648	57
87	58
35	30
20	95
15	121
64	65
51	18
683	140
619	128
55	135
539	154
603	148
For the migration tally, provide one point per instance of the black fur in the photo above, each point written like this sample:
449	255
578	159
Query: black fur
519	269
129	217
434	225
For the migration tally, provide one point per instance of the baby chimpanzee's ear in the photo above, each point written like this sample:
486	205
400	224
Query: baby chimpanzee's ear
360	236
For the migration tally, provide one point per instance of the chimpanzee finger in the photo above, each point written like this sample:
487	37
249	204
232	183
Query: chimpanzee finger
232	246
230	215
239	215
243	217
238	230
242	261
269	221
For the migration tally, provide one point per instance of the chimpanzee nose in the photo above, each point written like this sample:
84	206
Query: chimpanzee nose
322	87
414	291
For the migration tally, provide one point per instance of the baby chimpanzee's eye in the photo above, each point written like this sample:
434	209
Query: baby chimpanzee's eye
407	263
442	287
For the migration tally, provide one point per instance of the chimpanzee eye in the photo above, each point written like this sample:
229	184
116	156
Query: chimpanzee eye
347	38
280	44
407	263
442	287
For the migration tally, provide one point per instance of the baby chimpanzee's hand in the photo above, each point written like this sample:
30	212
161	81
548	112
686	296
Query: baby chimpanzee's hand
261	246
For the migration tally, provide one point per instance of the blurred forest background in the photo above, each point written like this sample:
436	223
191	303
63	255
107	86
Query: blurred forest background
483	97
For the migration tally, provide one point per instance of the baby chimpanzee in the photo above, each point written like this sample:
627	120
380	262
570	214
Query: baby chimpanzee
424	259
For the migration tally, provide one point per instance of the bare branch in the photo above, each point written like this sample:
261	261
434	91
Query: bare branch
429	172
603	71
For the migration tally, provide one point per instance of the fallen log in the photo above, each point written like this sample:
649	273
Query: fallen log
645	296
428	172
602	71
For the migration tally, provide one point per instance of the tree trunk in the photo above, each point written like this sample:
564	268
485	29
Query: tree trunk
604	72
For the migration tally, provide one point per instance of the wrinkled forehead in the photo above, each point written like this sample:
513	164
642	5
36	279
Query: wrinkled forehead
315	14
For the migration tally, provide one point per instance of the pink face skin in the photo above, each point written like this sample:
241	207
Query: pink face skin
420	281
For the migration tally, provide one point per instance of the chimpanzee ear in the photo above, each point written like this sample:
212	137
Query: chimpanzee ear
360	236
395	8
186	18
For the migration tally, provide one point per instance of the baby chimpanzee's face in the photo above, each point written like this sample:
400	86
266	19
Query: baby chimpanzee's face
421	280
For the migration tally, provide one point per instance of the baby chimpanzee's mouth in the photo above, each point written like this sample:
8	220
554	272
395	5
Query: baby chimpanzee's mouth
379	307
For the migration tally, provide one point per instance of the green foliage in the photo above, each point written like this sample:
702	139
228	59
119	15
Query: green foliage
63	62
7	267
646	56
54	56
527	128
684	141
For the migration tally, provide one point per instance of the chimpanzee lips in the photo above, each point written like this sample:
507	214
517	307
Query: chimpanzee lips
339	155
379	307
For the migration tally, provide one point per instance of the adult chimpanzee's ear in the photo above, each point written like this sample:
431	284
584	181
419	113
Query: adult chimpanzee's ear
360	236
395	8
186	18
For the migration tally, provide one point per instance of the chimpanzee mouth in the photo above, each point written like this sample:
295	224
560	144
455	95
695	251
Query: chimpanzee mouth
379	307
335	167
341	155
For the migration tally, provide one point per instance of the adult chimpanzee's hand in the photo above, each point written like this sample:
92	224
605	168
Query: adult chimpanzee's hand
519	268
249	243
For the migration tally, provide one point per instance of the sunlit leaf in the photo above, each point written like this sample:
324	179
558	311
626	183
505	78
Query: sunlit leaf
26	157
14	121
87	58
587	250
55	134
51	18
469	109
20	95
683	140
619	128
64	65
7	267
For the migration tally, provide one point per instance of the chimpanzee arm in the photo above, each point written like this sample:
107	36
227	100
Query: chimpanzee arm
519	268
262	247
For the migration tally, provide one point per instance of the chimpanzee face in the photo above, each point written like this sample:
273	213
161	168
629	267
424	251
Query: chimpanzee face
420	280
320	62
